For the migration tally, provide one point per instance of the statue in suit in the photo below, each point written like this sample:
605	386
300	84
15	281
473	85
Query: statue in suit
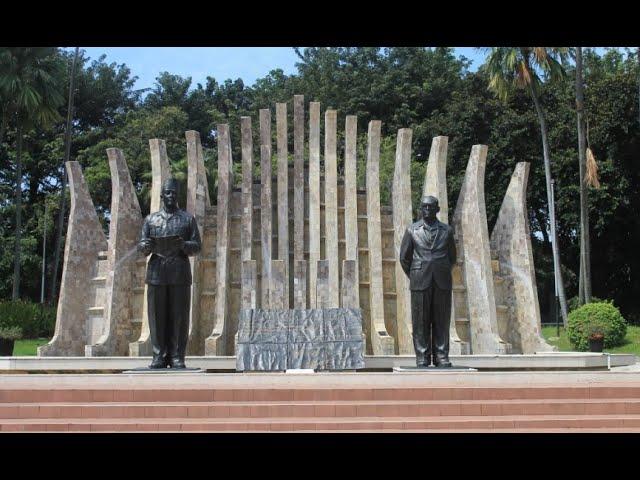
427	255
169	235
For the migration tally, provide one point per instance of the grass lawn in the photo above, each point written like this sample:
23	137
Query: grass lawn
28	347
631	341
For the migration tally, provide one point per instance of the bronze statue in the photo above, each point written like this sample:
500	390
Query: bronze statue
427	255
169	235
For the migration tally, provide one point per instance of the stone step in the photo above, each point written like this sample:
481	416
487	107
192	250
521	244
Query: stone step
484	423
347	409
85	395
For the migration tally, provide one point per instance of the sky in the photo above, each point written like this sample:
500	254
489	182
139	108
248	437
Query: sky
248	63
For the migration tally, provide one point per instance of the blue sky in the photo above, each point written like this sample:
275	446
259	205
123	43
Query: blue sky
248	63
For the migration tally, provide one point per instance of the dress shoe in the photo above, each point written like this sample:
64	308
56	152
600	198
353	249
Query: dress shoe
177	363
158	362
442	362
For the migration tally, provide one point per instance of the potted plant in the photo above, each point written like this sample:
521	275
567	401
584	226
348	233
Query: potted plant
8	335
596	338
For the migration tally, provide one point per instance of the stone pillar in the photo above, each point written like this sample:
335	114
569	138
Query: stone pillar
124	231
511	240
283	196
197	202
277	286
249	285
300	297
331	206
265	202
314	199
351	203
381	342
247	188
323	299
300	284
349	292
84	241
160	171
472	241
435	183
402	218
214	344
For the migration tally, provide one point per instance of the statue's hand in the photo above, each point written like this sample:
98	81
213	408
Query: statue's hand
146	246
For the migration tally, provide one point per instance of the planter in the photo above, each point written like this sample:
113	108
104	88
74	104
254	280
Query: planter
6	347
596	344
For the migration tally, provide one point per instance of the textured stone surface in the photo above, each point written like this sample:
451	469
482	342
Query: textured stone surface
472	242
214	344
300	284
349	288
382	343
197	203
265	202
124	231
249	285
247	188
298	180
314	199
160	171
283	197
511	240
278	286
402	218
435	183
322	286
331	206
84	240
328	339
351	209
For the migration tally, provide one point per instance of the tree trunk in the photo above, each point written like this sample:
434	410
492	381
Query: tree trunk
5	120
63	191
15	295
585	261
547	173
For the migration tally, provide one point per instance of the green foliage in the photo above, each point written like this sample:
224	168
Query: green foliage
574	302
591	318
34	320
10	333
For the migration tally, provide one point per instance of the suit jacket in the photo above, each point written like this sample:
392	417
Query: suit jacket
425	265
174	269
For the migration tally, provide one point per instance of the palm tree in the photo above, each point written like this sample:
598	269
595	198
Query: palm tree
30	91
518	67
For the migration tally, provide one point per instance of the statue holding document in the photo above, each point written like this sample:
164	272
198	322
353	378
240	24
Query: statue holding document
169	236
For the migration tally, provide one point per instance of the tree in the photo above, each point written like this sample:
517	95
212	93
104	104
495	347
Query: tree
518	67
31	93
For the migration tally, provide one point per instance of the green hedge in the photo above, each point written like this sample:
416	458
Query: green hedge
34	319
602	316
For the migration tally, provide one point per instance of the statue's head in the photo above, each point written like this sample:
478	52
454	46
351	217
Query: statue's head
429	207
169	193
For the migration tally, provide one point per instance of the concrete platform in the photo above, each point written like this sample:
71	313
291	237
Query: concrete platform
542	361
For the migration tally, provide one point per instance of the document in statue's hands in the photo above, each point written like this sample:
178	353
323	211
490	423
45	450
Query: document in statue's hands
166	246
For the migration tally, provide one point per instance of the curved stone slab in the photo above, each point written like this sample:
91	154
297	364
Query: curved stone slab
435	183
124	230
214	344
160	171
511	240
84	240
472	242
402	218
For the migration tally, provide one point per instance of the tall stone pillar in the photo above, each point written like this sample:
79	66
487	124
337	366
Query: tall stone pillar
247	189
402	218
197	202
331	206
214	344
314	199
349	292
160	172
472	239
265	202
300	271
323	299
283	196
84	241
277	286
511	240
124	231
435	183
351	205
382	343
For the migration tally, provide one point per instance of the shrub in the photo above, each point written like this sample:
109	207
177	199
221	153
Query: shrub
10	333
34	319
593	317
573	303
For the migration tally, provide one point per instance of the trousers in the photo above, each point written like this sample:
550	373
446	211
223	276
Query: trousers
168	307
430	318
